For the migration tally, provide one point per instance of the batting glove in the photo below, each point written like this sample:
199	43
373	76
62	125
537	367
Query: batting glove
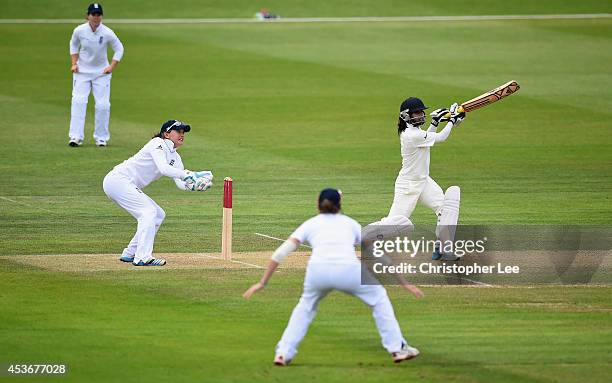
457	116
438	116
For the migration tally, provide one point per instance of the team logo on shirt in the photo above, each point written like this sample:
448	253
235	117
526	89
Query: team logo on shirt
159	147
101	39
171	162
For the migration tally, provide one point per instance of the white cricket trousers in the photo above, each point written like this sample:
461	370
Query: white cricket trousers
82	85
409	192
320	280
149	215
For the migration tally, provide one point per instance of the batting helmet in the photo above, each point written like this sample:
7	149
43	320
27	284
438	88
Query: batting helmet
412	105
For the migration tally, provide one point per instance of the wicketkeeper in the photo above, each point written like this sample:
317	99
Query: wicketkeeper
413	184
125	182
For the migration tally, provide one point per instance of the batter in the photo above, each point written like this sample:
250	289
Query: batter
413	184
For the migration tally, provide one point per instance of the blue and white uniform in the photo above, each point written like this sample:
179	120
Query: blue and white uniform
334	265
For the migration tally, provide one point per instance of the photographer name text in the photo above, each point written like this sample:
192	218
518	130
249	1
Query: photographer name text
444	268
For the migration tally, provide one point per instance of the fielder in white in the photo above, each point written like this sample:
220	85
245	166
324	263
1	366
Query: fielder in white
413	184
333	265
125	182
91	71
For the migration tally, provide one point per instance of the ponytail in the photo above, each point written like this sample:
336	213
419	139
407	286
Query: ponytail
327	206
401	126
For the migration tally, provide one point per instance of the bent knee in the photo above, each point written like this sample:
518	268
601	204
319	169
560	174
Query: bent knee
103	105
147	214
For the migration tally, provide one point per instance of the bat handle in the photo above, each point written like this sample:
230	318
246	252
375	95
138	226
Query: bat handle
460	110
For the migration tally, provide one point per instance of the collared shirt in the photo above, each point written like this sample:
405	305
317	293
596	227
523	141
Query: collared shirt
157	158
92	47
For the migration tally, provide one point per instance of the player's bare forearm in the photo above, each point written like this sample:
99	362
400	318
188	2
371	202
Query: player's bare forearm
411	288
111	67
272	266
74	68
263	281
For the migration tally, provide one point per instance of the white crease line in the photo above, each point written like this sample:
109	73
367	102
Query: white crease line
113	255
278	239
25	204
232	260
478	283
318	19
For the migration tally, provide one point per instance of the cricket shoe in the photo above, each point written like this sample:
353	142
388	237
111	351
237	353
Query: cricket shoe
101	143
279	360
75	142
126	258
406	353
436	254
439	256
151	262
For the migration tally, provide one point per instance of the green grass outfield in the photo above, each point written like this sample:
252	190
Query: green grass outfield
287	109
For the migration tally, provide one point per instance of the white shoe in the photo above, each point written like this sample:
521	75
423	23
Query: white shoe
406	353
100	143
74	142
279	360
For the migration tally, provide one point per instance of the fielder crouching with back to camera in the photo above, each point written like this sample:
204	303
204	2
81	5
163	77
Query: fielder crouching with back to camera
333	265
413	184
125	182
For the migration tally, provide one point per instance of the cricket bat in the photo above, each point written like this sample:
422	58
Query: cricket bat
489	97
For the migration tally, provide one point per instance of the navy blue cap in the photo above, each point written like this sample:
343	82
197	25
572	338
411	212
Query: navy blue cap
174	125
332	195
95	8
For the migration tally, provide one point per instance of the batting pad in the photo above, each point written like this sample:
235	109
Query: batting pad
449	215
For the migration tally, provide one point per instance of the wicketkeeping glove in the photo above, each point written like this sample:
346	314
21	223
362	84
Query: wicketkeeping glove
189	179
203	184
456	117
438	116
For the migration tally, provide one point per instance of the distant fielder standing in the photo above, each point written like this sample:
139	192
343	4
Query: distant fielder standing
125	182
413	184
333	265
92	72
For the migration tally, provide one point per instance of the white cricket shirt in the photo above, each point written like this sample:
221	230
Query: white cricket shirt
92	47
332	237
157	158
415	144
